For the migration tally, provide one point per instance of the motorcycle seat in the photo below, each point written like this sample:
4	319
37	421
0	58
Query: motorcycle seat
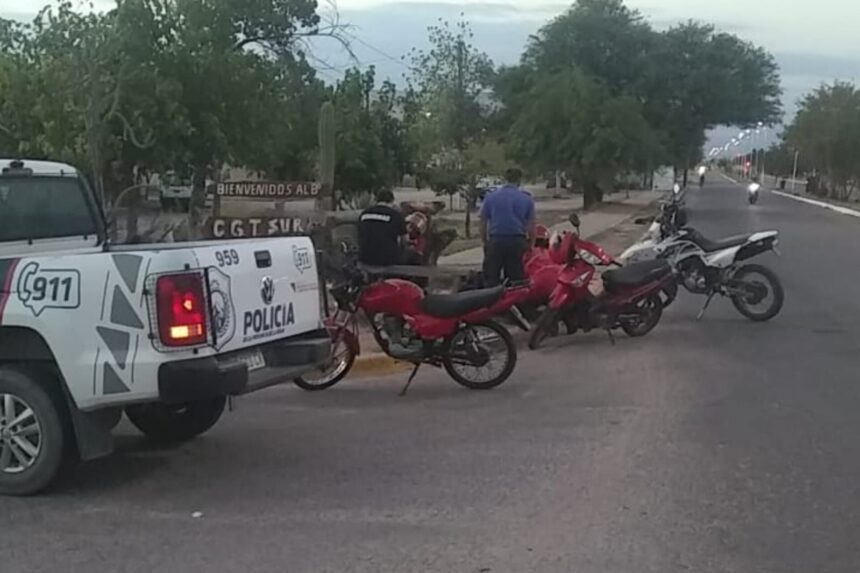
636	274
710	246
453	305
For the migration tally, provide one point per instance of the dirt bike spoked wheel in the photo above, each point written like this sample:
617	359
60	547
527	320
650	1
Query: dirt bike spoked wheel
757	292
545	327
335	370
645	320
481	356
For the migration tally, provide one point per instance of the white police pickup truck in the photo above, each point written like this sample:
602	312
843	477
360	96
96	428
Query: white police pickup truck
164	333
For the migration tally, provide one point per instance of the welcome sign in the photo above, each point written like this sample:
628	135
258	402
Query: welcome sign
267	190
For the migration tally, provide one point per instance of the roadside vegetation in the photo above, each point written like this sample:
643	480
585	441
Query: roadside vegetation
821	143
177	85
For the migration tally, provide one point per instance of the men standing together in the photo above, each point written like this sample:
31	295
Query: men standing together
507	231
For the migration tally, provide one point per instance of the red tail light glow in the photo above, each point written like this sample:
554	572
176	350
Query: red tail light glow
181	305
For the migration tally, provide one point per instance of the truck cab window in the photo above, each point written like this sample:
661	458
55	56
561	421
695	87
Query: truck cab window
35	207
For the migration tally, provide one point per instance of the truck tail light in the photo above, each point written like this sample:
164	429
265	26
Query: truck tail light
181	305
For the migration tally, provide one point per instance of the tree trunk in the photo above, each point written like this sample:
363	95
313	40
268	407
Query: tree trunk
592	195
471	205
198	196
468	221
132	216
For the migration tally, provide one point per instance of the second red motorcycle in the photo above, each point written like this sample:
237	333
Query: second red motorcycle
630	300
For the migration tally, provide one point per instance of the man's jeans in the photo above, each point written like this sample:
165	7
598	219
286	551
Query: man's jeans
504	253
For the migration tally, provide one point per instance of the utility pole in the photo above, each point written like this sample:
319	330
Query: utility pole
794	171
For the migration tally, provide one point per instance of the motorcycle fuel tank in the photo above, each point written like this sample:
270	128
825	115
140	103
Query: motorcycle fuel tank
392	296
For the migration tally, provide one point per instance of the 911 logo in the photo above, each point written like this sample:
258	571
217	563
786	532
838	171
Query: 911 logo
40	288
302	259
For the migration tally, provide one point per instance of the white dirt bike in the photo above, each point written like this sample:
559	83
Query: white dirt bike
709	267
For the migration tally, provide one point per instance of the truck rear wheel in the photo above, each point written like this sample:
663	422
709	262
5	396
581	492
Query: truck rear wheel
171	423
33	437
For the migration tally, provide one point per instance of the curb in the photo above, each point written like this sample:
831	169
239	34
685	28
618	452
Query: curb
822	204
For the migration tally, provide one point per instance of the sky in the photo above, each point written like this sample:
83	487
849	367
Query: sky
814	41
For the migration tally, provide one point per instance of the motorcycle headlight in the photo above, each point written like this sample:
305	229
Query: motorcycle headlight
580	281
589	257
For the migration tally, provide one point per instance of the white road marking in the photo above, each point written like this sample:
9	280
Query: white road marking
837	208
728	178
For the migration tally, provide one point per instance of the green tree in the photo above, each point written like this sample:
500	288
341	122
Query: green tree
450	87
361	162
166	84
603	38
703	79
687	79
574	121
826	132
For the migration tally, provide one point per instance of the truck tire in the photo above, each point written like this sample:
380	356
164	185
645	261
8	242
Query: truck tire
33	434
172	423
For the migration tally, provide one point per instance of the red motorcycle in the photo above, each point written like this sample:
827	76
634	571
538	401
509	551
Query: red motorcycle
542	272
542	275
631	299
452	331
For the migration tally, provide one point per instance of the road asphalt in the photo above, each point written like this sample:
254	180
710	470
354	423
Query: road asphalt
711	446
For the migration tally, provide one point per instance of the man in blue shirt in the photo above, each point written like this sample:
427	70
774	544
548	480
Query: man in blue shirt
507	229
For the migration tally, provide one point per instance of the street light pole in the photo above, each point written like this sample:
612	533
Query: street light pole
794	171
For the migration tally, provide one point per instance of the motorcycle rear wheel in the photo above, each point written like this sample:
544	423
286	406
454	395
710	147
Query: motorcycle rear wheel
466	374
544	327
651	311
771	282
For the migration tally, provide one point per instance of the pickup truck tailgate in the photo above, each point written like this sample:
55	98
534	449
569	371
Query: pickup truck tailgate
261	290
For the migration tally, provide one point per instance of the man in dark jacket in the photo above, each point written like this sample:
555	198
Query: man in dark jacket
382	235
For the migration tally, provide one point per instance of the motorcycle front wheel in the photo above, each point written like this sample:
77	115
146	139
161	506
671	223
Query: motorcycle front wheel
335	370
762	297
649	311
545	327
669	293
481	356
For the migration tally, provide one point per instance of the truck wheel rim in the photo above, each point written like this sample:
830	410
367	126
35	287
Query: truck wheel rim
20	435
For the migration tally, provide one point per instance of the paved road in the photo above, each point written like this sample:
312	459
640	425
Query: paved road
717	446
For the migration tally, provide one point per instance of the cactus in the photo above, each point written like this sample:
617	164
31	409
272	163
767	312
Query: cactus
327	154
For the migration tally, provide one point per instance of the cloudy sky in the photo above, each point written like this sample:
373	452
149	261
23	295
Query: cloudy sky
813	40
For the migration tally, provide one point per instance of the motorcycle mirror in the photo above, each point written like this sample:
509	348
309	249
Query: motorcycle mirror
574	220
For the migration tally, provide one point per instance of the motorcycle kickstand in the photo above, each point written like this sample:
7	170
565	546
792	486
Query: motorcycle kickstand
411	378
611	336
707	304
